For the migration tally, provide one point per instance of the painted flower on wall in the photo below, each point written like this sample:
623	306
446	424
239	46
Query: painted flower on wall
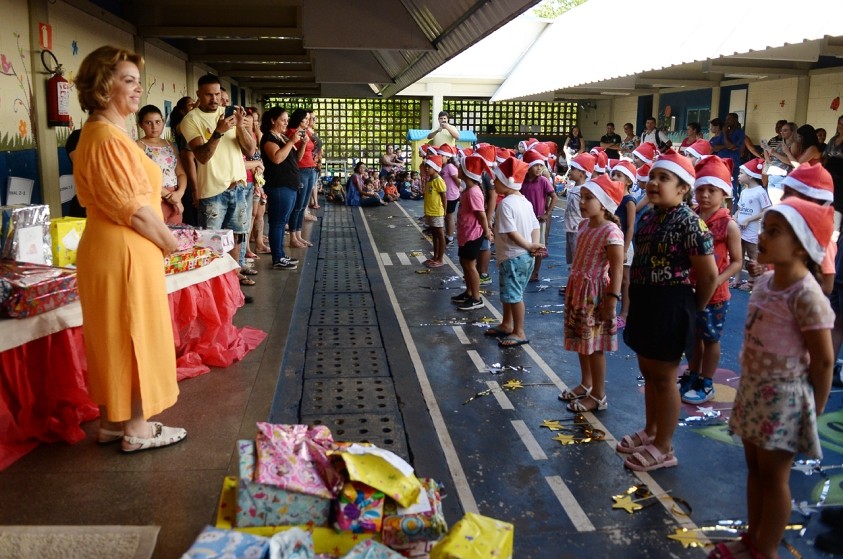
22	128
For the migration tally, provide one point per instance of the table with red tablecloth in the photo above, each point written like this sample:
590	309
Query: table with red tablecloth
43	386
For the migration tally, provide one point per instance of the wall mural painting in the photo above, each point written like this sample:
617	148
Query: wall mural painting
23	104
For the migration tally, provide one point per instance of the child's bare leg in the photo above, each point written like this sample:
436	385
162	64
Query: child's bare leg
472	277
710	359
483	260
774	476
506	320
518	312
536	268
585	370
624	294
597	372
697	357
438	244
662	400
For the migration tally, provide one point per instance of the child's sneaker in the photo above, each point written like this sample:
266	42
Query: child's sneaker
485	279
461	298
470	304
701	392
687	381
284	264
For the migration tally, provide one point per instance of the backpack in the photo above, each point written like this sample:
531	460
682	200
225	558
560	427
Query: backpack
659	143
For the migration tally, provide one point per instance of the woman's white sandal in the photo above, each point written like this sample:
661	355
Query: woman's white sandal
161	436
580	407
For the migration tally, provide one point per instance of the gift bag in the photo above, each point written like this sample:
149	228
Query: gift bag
476	537
383	470
65	234
295	458
25	234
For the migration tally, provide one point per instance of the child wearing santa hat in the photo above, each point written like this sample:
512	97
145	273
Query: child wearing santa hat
539	191
625	172
593	292
472	230
582	167
516	244
712	186
751	205
786	367
435	202
670	241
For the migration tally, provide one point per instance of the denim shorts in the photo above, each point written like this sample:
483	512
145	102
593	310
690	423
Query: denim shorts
226	210
513	275
485	245
711	328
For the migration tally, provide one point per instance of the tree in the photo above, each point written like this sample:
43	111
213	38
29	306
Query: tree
551	9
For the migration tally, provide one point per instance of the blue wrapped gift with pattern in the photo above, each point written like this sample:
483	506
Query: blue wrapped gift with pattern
261	504
370	549
214	543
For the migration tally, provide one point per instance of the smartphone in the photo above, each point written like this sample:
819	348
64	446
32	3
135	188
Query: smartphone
229	110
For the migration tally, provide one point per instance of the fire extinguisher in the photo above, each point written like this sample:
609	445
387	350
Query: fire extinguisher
58	92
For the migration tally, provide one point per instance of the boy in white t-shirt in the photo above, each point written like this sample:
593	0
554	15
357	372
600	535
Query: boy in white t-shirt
751	205
516	237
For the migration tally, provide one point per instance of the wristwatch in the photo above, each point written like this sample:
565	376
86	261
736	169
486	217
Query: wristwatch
615	295
216	135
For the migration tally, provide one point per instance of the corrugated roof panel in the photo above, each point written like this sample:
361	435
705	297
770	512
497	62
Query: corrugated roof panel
747	28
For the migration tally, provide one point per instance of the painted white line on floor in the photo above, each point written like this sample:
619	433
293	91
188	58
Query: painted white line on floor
403	258
421	258
570	504
387	261
461	335
529	440
478	361
497	392
461	486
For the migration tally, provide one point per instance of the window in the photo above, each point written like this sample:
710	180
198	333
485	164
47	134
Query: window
512	118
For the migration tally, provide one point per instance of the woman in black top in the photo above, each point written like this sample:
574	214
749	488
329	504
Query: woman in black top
281	171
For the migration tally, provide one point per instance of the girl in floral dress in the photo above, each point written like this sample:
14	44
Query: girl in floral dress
786	367
163	152
593	292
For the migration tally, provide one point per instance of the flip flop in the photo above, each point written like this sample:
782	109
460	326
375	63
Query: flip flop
495	333
246	281
511	342
434	264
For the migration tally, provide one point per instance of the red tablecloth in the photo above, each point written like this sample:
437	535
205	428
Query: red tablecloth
43	385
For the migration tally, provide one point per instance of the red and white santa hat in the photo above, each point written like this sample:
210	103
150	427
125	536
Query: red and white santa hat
627	168
585	163
714	171
434	161
812	224
501	154
464	152
646	152
446	150
487	152
532	157
541	148
473	167
607	191
753	167
699	149
595	150
426	149
511	172
812	180
552	147
601	165
677	164
643	174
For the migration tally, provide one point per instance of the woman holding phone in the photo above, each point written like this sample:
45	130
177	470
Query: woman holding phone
297	131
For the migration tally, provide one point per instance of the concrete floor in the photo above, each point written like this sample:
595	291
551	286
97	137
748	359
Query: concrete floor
491	453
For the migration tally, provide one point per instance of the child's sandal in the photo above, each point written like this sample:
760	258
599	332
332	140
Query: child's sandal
578	406
570	395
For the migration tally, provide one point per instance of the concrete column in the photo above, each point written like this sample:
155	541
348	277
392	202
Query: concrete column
140	48
801	107
438	105
715	105
45	137
424	118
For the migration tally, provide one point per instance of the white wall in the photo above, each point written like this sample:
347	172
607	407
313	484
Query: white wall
824	87
625	110
593	121
764	106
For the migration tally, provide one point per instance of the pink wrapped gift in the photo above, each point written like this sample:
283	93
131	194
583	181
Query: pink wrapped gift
186	236
30	289
295	458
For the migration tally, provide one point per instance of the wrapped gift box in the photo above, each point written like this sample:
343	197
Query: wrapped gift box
359	508
218	240
186	236
476	537
371	549
423	522
417	550
186	260
381	469
30	289
214	543
65	234
260	504
25	234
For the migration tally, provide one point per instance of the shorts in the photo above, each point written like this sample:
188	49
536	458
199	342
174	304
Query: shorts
226	210
485	245
513	275
660	324
452	206
471	249
710	325
437	221
570	247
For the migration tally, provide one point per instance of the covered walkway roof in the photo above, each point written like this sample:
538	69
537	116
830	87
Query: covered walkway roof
637	47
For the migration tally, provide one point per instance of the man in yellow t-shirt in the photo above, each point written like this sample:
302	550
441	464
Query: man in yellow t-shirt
445	133
218	141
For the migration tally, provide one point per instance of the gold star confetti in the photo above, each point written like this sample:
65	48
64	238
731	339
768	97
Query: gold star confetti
513	384
565	439
422	271
688	538
552	424
626	503
416	253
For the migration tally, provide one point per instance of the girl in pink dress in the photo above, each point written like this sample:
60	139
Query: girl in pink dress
593	292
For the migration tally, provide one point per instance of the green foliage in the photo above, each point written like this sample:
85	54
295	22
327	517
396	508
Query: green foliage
551	9
13	142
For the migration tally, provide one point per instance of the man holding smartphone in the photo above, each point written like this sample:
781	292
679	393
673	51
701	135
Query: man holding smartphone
218	138
445	133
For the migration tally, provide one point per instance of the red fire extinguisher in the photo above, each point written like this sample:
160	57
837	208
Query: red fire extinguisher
58	99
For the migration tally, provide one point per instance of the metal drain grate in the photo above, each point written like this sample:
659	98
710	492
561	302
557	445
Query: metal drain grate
343	283
342	300
347	363
363	316
384	430
343	336
348	395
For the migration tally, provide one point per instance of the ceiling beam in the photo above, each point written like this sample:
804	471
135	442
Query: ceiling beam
667	82
736	69
245	58
264	84
280	72
209	32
